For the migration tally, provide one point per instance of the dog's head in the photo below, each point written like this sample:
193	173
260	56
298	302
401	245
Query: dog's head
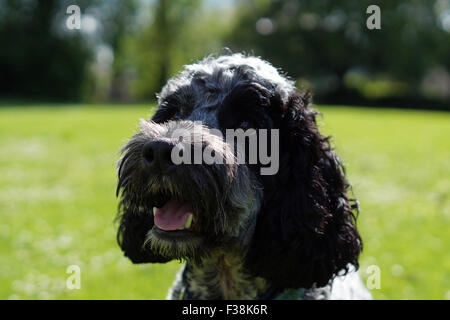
185	192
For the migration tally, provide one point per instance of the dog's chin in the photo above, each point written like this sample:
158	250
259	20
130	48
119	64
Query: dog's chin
176	244
177	237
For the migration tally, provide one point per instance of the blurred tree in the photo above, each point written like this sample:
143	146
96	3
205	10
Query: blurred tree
35	60
163	37
156	45
328	43
177	32
43	59
118	20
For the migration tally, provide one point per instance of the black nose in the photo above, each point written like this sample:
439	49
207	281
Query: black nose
157	154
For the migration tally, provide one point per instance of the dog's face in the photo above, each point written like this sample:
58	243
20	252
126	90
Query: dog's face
189	209
294	227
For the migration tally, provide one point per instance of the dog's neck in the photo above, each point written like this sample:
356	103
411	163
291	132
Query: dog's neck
222	276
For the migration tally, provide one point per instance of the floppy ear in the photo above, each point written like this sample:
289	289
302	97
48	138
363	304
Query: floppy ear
133	228
305	232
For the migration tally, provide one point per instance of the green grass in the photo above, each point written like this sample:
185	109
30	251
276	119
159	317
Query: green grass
57	204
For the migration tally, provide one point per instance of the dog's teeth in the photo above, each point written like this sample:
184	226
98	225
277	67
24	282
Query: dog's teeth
188	223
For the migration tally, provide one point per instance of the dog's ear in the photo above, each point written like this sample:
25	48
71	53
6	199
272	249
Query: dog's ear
131	234
305	232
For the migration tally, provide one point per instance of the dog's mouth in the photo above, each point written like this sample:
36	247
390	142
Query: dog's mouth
173	215
175	232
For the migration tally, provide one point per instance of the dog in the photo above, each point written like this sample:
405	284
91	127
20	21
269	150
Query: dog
241	233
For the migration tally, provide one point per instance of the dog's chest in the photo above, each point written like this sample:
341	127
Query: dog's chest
222	278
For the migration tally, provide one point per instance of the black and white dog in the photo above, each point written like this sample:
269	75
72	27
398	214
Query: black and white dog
243	234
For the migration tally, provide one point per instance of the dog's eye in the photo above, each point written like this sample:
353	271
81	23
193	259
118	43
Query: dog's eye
246	124
176	116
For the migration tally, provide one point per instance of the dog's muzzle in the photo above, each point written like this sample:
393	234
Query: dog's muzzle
193	204
170	213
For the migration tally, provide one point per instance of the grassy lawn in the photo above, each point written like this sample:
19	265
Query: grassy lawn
57	203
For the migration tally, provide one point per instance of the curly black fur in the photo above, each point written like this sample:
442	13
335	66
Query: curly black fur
294	229
305	232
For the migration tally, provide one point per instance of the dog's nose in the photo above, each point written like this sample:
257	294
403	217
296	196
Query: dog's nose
158	154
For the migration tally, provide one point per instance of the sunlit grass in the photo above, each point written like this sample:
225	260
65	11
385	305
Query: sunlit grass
57	203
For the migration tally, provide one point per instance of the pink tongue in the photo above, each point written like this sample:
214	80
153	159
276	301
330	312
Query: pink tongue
173	215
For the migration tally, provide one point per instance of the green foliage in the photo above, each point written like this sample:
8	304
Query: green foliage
178	32
324	40
57	203
118	22
36	60
319	43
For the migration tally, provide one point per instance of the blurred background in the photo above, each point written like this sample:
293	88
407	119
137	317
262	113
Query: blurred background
70	98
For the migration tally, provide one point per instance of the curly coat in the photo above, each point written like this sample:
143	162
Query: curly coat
294	229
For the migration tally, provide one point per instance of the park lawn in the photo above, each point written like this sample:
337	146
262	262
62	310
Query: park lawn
57	202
